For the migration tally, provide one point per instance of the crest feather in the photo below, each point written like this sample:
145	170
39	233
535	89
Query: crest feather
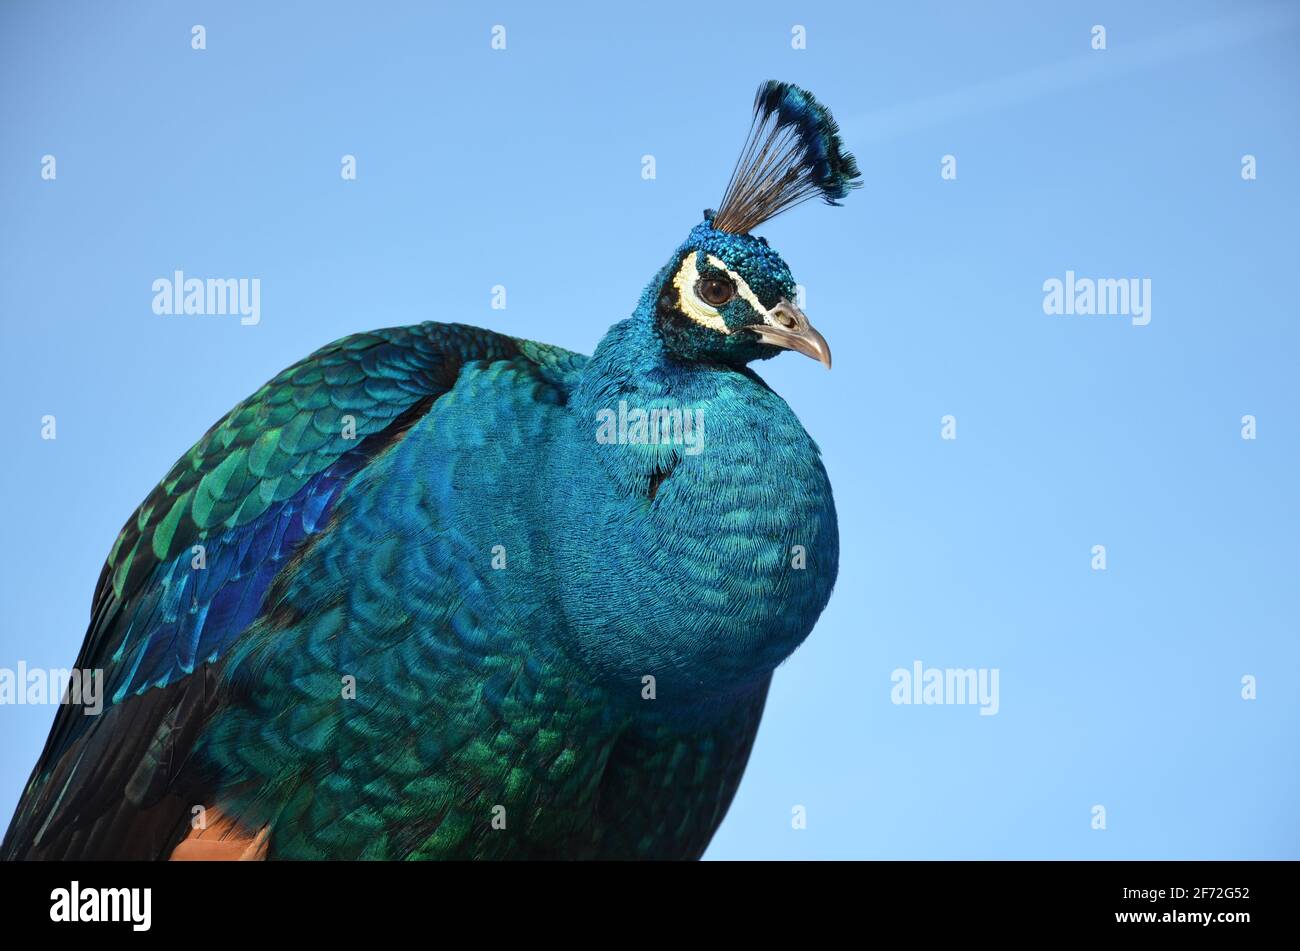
793	153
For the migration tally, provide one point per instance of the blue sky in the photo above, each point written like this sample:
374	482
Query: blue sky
477	167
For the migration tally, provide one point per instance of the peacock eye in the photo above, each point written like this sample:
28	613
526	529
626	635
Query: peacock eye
715	291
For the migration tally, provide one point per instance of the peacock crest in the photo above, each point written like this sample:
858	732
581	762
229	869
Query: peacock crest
793	153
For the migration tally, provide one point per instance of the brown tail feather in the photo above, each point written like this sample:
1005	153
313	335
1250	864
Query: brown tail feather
222	840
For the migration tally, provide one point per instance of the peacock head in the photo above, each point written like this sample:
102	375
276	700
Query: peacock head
726	296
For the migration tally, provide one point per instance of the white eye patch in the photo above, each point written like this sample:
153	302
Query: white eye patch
702	312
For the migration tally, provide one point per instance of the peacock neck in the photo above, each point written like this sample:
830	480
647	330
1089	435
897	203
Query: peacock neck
648	410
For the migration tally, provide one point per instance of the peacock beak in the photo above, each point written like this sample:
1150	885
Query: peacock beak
789	328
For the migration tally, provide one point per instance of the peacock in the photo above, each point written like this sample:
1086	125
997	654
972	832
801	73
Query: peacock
435	592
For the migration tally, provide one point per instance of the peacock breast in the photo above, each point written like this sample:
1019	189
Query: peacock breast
716	539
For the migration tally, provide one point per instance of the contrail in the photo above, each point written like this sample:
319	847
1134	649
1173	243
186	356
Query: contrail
1117	61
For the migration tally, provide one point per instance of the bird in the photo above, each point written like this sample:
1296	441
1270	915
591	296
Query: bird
435	592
